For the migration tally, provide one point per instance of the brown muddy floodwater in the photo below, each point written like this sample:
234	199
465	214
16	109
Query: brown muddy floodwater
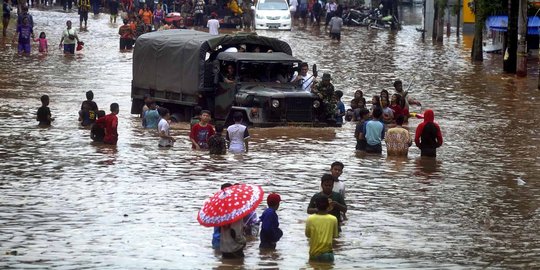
67	203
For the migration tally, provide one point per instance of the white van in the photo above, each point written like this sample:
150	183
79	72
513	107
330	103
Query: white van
272	14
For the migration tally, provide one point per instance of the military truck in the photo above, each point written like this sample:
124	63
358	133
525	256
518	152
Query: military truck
182	69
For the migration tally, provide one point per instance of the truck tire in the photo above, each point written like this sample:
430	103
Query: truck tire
178	117
136	106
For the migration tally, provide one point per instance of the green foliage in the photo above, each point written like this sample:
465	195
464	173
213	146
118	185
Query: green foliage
484	8
441	4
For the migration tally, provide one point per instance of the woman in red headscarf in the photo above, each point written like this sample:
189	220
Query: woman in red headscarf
428	135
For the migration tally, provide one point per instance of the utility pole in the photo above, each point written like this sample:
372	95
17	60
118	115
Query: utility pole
448	26
458	18
511	38
424	23
522	40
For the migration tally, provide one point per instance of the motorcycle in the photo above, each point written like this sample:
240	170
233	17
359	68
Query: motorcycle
376	20
355	17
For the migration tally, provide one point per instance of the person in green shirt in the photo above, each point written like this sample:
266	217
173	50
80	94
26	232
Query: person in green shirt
321	229
335	200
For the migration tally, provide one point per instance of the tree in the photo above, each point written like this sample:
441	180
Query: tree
395	13
511	40
438	22
482	9
521	69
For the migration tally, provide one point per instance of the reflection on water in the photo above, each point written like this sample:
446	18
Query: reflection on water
67	202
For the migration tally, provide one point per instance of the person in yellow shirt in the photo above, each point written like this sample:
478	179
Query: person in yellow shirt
84	7
233	6
321	229
398	139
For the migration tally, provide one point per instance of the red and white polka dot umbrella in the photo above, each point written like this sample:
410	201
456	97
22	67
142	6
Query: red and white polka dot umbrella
230	205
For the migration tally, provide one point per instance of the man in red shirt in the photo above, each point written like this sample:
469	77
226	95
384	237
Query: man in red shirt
201	131
110	122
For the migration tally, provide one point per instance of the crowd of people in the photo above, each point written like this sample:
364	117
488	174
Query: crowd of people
391	116
203	135
138	17
383	120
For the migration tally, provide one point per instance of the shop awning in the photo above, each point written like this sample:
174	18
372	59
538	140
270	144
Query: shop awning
500	24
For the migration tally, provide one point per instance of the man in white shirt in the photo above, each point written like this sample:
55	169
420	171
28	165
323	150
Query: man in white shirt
293	4
303	78
330	7
165	138
237	135
213	25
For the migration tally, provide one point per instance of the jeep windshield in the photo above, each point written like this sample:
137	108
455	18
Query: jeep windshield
261	67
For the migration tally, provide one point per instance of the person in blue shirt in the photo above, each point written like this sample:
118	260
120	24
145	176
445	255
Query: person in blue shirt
340	110
374	132
270	231
151	117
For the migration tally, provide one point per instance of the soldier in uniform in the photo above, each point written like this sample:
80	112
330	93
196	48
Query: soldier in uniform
325	90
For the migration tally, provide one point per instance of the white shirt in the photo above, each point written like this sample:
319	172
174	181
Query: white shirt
339	187
331	7
231	49
66	34
307	81
163	126
236	135
294	3
229	244
213	26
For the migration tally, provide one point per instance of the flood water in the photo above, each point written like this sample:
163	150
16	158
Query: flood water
70	204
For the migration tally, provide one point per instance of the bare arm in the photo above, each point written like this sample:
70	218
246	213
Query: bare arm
339	206
164	135
195	143
312	208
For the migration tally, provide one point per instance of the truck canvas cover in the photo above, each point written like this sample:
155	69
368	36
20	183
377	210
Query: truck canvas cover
174	60
277	57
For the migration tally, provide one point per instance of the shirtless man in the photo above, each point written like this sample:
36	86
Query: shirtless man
398	85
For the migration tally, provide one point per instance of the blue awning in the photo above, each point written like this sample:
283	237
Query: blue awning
500	24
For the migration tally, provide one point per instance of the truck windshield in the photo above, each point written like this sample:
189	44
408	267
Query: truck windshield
264	72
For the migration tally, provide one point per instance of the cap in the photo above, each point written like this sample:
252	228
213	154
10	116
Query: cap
243	46
273	199
326	76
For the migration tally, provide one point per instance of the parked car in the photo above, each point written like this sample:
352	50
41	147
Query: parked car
272	14
182	69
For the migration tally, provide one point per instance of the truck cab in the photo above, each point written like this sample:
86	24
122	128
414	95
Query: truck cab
262	89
